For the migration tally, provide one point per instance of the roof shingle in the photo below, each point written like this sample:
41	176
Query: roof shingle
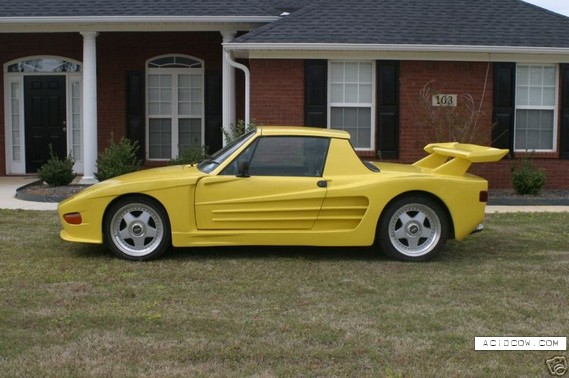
113	8
420	22
374	22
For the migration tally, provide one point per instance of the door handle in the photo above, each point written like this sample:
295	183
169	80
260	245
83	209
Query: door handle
322	184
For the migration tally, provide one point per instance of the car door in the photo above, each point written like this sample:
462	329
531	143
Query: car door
282	187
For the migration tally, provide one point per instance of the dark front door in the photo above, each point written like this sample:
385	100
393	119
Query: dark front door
45	119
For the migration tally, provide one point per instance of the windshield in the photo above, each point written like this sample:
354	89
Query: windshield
208	165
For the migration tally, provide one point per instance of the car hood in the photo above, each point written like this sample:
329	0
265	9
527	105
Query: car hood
143	181
174	172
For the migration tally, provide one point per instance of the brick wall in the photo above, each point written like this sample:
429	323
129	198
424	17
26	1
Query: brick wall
277	89
499	175
277	98
277	92
129	52
463	78
117	53
467	80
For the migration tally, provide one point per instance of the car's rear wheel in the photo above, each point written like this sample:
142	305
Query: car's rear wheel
413	228
137	228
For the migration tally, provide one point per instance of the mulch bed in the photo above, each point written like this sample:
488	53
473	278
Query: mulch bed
508	197
39	192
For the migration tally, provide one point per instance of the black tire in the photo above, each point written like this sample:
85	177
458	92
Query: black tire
413	228
137	228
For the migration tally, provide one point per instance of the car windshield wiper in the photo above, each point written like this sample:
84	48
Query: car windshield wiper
208	165
209	161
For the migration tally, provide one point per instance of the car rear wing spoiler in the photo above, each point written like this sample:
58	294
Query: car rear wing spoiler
455	158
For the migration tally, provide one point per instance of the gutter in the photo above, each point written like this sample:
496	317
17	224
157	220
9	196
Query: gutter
245	70
135	19
237	47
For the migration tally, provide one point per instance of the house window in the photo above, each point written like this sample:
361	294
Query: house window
35	65
75	99
16	116
175	105
536	104
351	88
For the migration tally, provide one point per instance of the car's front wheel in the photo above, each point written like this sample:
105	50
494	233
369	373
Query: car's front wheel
413	228
137	228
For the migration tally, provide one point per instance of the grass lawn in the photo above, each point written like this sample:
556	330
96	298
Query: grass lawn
74	310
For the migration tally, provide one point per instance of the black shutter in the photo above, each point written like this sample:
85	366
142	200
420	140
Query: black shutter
388	109
564	129
135	110
213	111
315	93
504	105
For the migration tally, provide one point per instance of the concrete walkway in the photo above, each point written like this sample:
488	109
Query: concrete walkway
9	185
8	200
526	209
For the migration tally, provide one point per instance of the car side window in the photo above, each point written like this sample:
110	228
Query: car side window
284	156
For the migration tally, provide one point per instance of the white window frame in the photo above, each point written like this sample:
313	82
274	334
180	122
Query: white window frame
174	115
75	122
370	105
16	166
553	108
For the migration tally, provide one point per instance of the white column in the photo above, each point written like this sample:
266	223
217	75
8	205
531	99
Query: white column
89	107
228	88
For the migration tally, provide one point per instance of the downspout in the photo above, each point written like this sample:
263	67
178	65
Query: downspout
245	70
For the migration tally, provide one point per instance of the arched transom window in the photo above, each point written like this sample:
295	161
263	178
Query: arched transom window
175	105
45	65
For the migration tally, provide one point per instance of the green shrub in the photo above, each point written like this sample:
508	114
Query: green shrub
118	159
190	155
237	129
56	171
528	179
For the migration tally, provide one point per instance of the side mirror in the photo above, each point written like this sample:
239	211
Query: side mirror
243	168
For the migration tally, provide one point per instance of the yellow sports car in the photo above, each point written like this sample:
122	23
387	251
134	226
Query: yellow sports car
287	186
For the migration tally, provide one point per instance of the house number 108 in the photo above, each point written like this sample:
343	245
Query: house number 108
444	100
